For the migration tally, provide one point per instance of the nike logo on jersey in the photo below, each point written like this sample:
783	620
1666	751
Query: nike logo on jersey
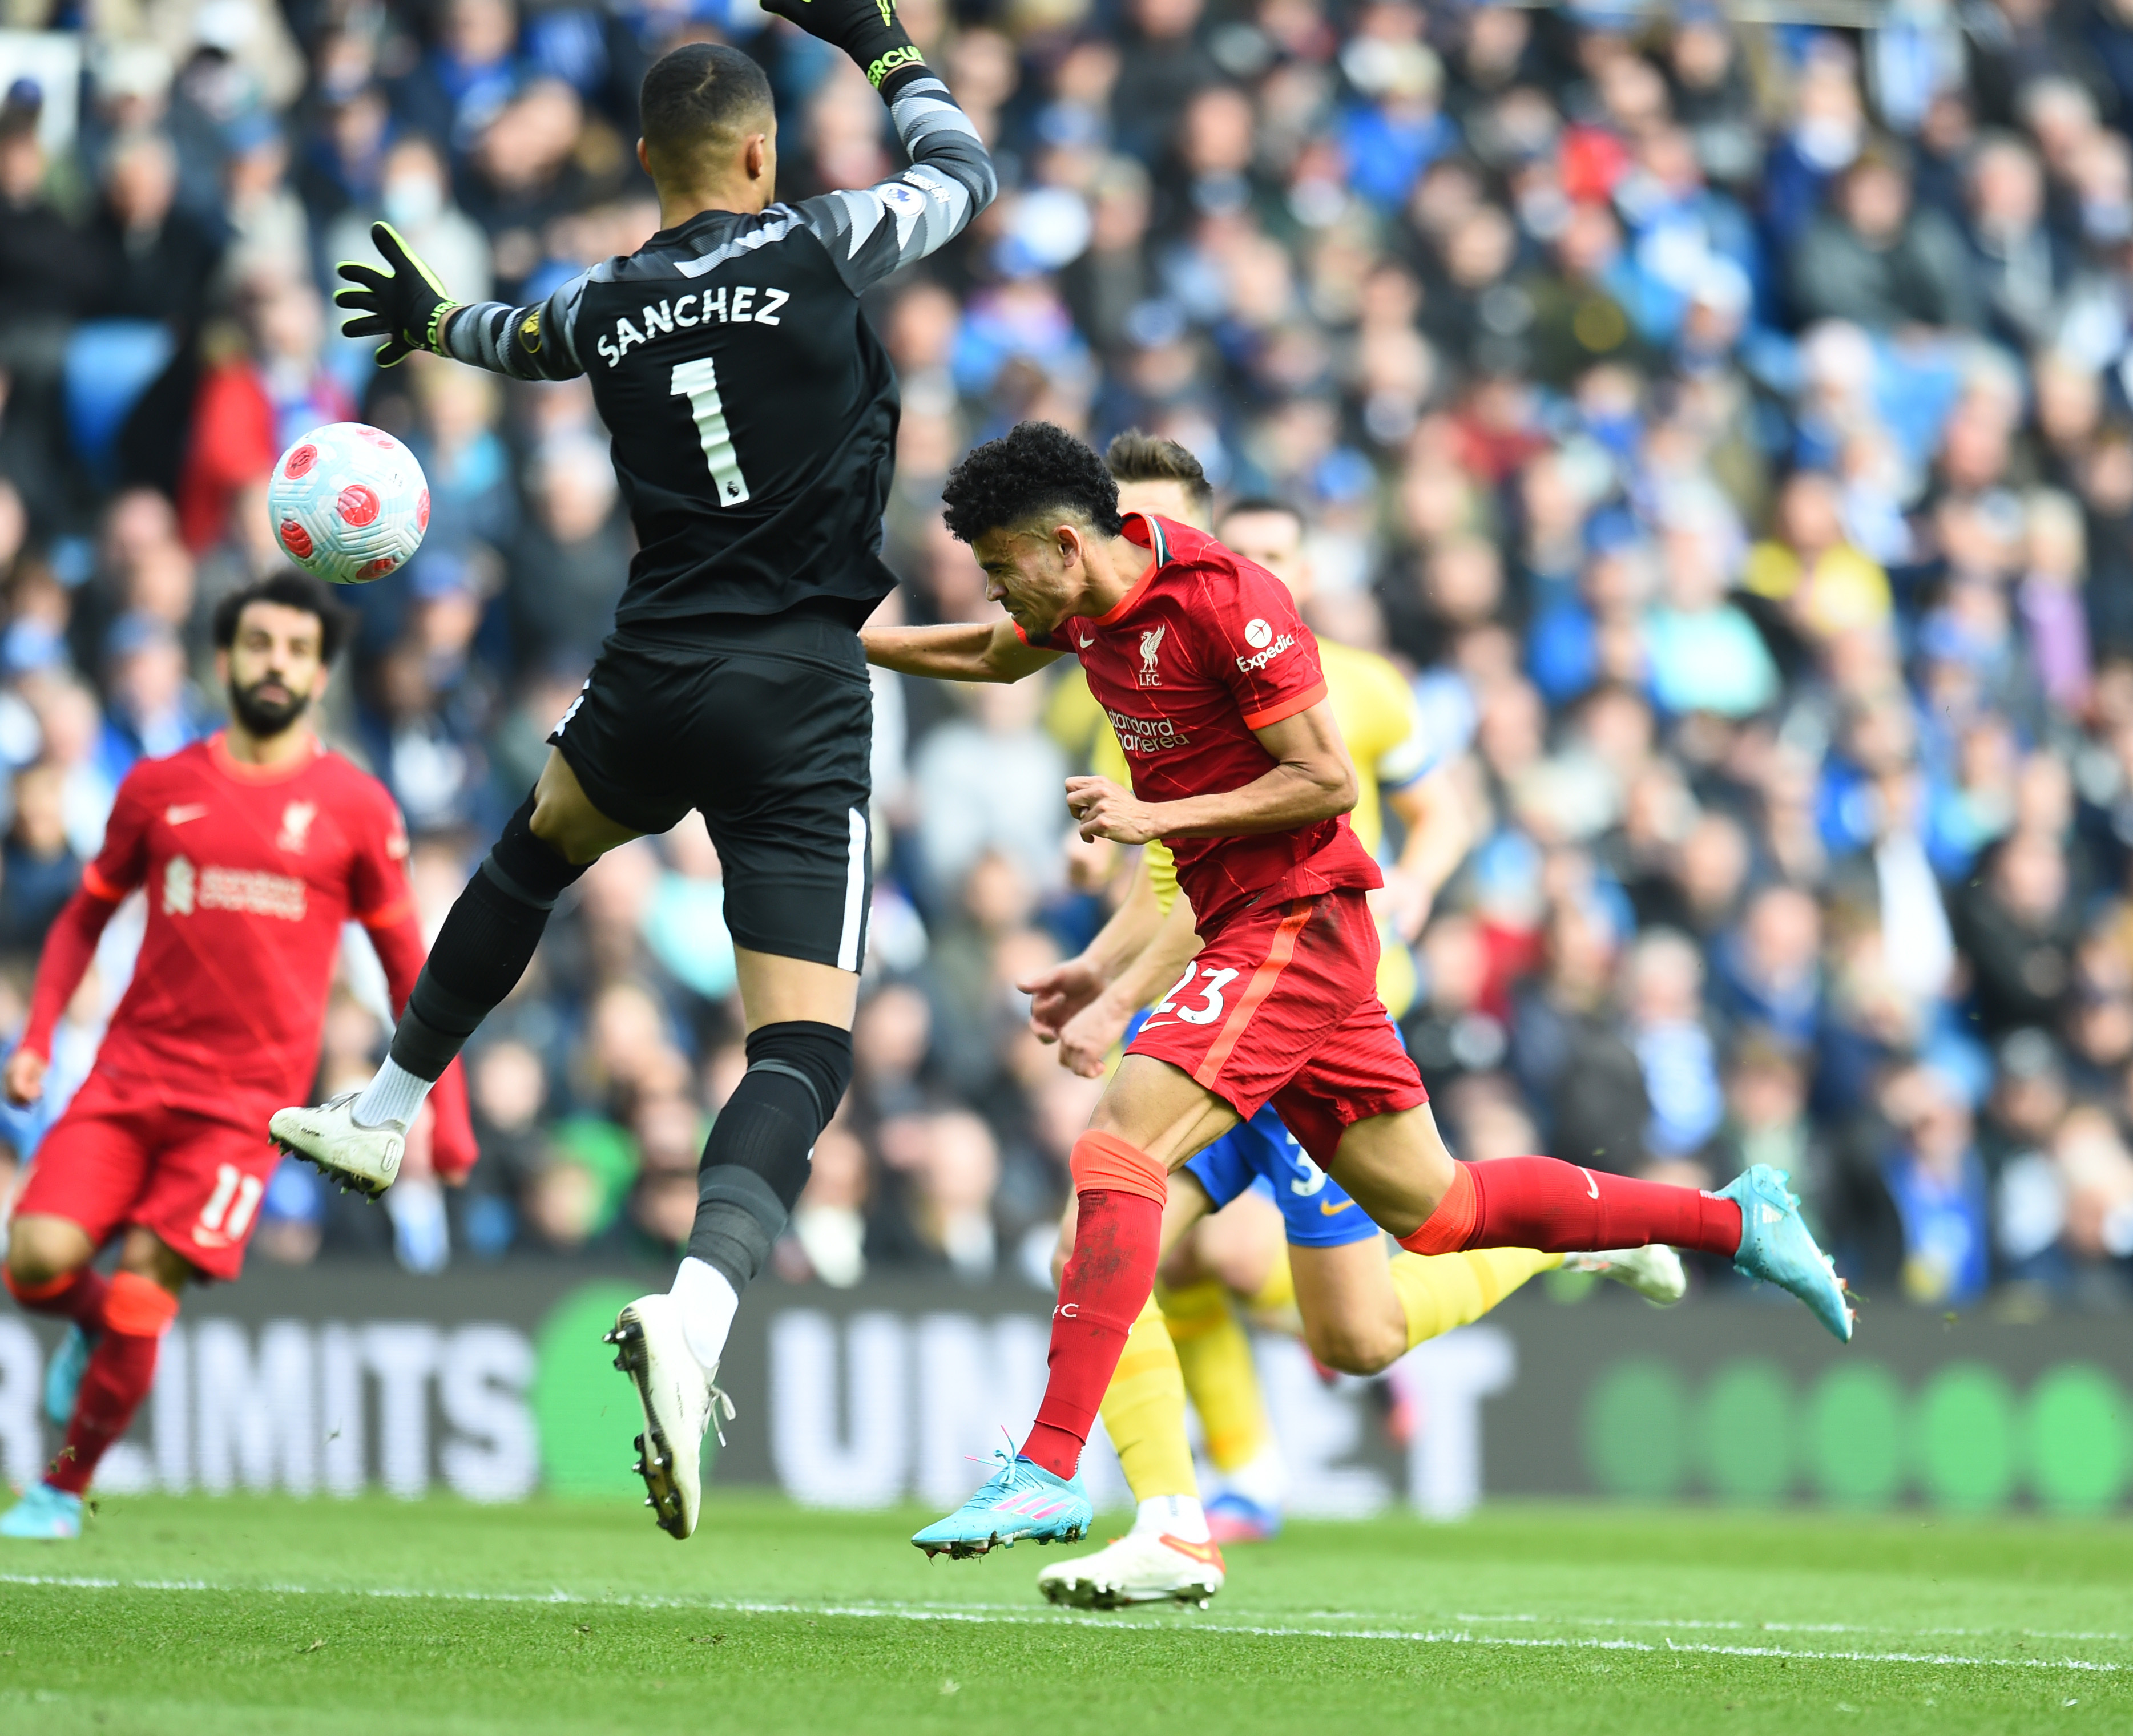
1592	1187
1327	1209
180	812
1085	643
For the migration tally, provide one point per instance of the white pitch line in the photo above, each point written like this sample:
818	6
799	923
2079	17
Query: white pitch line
1694	1623
1111	1623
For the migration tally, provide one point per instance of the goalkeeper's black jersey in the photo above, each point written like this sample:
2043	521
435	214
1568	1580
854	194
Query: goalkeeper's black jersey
752	408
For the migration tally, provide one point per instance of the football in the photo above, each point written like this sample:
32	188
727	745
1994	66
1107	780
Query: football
348	503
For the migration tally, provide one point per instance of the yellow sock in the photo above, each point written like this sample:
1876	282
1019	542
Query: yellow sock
1216	1359
1278	1291
1272	1307
1439	1292
1145	1412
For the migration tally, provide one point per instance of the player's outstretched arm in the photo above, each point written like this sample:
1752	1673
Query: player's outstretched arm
69	947
409	307
1311	779
871	232
70	943
963	651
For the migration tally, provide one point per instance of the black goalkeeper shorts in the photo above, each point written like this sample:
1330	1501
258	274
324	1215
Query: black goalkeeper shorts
767	728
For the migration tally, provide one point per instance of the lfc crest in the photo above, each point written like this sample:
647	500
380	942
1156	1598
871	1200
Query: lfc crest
296	826
1150	643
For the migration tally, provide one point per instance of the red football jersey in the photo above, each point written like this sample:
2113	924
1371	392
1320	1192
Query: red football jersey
250	872
1207	648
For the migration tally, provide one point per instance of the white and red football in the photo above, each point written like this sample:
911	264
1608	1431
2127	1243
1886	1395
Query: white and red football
348	503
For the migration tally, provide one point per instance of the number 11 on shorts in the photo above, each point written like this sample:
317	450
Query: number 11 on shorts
698	382
231	1185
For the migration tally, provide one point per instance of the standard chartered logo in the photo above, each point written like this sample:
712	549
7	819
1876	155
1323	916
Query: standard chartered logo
1963	1438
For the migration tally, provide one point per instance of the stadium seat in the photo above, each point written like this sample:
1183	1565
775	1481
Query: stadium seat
109	364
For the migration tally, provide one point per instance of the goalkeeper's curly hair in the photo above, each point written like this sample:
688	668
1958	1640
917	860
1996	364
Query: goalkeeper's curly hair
1034	468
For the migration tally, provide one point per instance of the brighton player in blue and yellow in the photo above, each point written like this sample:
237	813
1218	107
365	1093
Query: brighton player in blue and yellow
1260	1222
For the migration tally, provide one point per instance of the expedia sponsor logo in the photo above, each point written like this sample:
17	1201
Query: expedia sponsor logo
1261	659
896	58
1146	734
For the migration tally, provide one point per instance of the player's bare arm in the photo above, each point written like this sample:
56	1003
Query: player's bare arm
1311	779
1439	833
23	1079
1086	1038
1060	992
960	652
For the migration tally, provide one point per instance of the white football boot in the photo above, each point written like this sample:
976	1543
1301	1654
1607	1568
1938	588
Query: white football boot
1141	1567
1655	1272
367	1159
679	1401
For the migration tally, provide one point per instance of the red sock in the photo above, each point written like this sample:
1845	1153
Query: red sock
1562	1208
121	1369
75	1295
1118	1235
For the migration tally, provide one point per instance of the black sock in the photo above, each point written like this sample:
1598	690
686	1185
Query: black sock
483	949
756	1161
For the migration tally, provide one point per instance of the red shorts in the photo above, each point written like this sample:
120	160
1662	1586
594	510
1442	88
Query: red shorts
1282	1007
112	1160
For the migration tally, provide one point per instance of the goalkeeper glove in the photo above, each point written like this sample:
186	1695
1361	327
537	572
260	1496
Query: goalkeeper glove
868	31
406	305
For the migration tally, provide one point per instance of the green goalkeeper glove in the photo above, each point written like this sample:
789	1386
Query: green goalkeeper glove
405	305
868	31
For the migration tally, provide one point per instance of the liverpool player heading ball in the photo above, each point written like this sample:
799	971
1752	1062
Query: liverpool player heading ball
254	846
1213	683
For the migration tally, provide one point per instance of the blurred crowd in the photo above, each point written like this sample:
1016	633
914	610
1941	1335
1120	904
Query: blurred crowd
1725	426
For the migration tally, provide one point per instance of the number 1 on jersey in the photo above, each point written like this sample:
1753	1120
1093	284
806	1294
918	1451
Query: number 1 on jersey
698	382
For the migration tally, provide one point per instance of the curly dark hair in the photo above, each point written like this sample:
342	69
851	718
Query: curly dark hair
1033	469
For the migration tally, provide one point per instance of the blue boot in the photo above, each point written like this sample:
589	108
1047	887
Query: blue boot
1776	1247
47	1514
1019	1500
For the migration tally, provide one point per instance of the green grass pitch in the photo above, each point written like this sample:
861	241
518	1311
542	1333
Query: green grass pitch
243	1615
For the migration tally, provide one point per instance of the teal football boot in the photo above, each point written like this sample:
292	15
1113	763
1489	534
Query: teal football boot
1020	1500
45	1514
1776	1247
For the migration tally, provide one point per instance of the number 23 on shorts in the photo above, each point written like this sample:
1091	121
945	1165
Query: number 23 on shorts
1210	1007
